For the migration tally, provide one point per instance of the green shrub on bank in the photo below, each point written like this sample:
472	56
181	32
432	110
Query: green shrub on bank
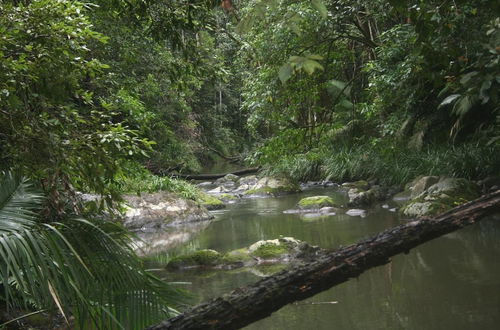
145	182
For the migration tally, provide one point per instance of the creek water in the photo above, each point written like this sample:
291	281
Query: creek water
452	282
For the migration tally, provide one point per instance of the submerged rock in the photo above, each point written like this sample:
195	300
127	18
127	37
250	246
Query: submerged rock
356	213
159	210
315	206
440	197
281	250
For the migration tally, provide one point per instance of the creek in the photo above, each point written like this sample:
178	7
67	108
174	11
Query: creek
452	282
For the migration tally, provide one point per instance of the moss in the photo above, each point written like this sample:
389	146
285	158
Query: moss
263	190
228	197
269	250
273	191
198	258
210	202
315	202
361	185
237	256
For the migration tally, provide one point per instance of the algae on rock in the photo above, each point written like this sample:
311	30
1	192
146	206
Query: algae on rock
210	202
316	202
279	250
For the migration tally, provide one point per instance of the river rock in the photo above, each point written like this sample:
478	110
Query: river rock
356	213
489	184
159	210
210	202
361	185
315	206
281	250
219	190
206	184
421	184
315	202
440	197
227	181
268	186
359	197
248	180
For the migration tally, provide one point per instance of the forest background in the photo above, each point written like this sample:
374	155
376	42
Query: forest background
96	95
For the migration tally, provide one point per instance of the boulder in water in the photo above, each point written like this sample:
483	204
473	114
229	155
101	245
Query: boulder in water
280	250
440	197
158	210
315	202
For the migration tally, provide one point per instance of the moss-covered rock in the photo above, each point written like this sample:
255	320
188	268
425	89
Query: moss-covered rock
282	250
210	202
237	256
421	184
361	185
315	202
270	251
228	197
359	198
196	259
272	187
440	197
274	249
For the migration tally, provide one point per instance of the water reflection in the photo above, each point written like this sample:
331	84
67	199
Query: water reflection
450	283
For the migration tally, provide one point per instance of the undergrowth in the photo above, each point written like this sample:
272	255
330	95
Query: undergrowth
391	165
145	182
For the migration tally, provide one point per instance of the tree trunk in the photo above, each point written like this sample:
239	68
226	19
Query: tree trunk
214	176
254	302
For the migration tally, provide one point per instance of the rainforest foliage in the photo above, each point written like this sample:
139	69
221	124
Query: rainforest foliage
93	92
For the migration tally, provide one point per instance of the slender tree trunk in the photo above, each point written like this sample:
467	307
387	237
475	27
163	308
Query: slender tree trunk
214	176
254	302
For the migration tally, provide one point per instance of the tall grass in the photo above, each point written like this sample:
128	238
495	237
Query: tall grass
390	164
146	182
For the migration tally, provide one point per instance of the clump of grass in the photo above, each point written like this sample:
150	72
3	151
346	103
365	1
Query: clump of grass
391	164
145	182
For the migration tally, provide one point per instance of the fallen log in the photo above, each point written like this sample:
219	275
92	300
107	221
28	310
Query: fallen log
254	302
214	176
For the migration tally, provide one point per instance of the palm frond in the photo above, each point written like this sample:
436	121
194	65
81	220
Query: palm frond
76	266
18	202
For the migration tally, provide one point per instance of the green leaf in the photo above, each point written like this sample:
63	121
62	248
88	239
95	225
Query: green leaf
320	7
314	57
346	104
296	59
466	77
340	85
448	100
310	66
463	106
285	72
